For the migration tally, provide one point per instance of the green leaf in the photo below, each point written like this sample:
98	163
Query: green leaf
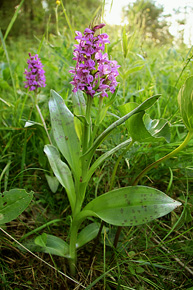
62	172
142	107
103	157
52	245
13	19
13	203
130	206
52	182
2	100
41	240
185	98
82	119
64	132
142	128
79	109
87	234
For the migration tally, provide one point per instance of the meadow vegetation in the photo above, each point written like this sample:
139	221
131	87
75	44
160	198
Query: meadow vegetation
157	255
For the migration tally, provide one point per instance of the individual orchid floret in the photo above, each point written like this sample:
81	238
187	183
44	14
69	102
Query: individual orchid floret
94	72
35	77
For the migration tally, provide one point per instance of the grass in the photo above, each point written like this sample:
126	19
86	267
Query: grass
155	256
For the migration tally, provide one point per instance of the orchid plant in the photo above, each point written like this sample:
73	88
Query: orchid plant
74	140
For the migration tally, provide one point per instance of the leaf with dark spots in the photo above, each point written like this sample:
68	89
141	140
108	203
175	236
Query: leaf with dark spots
113	207
64	132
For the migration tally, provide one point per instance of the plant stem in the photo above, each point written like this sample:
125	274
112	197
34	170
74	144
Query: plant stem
87	125
171	154
56	14
67	19
42	118
117	235
72	250
98	118
43	122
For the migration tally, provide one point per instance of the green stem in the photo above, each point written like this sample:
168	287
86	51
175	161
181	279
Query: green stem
171	154
78	219
67	19
97	118
42	118
56	14
87	125
117	164
72	249
43	122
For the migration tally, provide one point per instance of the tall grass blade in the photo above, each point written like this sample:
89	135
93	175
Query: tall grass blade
10	69
13	20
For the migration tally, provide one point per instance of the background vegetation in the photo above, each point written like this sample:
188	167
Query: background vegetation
154	256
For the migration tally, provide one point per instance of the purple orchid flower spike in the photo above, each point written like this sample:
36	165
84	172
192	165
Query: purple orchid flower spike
35	77
94	72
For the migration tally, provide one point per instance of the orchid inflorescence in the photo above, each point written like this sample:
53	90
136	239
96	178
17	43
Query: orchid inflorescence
36	75
94	72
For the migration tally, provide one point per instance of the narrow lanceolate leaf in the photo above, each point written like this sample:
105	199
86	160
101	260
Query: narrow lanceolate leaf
52	245
79	109
13	203
142	107
103	157
185	100
87	234
62	172
133	205
64	132
142	128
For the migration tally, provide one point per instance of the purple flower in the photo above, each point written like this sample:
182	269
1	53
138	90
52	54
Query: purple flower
94	72
35	76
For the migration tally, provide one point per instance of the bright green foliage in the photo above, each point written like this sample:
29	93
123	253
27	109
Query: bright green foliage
79	109
87	234
64	132
122	207
144	106
145	71
103	157
62	172
133	205
185	100
52	182
13	203
52	245
142	128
